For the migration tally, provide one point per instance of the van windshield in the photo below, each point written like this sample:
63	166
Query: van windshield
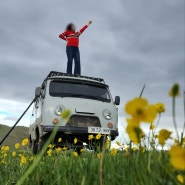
79	90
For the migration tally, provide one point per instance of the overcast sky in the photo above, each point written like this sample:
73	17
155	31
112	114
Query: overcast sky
129	44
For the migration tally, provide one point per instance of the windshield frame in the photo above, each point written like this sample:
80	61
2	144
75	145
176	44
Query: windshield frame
80	82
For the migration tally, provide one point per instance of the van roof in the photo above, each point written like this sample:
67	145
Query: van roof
55	74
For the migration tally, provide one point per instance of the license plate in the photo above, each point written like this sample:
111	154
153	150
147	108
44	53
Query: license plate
98	130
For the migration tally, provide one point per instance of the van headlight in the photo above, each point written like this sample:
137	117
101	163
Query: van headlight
59	109
107	114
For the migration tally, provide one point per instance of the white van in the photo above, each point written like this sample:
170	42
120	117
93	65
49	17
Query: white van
92	110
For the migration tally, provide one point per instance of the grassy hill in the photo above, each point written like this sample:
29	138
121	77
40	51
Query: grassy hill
19	133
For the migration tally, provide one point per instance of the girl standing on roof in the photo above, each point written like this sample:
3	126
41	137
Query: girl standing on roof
72	50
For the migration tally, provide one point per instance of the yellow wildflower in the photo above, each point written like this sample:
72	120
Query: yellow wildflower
75	154
25	142
31	158
142	149
23	160
49	152
5	155
3	162
180	178
160	107
134	148
133	122
140	110
90	137
59	140
64	148
151	114
135	133
107	144
175	90
136	108
99	155
75	140
152	126
58	150
118	143
17	145
51	146
136	102
127	148
82	150
65	114
163	136
5	148
98	136
114	152
13	154
177	157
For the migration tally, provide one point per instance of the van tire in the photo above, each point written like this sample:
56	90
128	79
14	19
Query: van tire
34	147
41	144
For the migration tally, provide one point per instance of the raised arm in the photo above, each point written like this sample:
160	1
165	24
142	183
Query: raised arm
62	36
84	28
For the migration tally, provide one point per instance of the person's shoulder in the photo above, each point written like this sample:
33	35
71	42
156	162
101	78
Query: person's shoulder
68	32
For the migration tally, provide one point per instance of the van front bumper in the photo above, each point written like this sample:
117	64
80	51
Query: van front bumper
73	130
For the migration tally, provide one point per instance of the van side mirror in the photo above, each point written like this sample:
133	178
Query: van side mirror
37	92
117	100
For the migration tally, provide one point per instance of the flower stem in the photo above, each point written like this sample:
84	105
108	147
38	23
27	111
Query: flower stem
101	161
157	124
174	121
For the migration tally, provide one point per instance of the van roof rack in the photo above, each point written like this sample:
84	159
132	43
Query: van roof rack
58	74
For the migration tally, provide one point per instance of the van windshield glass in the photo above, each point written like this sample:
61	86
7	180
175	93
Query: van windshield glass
79	90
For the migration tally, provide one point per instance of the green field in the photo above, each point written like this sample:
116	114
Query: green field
132	168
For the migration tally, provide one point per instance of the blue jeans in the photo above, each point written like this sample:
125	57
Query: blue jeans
73	53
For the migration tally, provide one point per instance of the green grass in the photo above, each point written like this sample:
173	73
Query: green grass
65	169
128	168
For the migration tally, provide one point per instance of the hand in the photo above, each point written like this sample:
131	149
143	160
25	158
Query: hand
89	23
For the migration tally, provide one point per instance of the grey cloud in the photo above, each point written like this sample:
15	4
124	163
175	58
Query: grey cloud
130	43
11	118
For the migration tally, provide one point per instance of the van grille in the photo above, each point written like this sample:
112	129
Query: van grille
83	121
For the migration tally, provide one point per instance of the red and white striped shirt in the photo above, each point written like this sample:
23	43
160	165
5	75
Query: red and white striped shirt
71	37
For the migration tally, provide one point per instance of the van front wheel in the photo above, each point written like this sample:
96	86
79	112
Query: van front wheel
41	144
34	147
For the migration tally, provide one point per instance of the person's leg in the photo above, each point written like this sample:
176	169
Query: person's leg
69	52
77	62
